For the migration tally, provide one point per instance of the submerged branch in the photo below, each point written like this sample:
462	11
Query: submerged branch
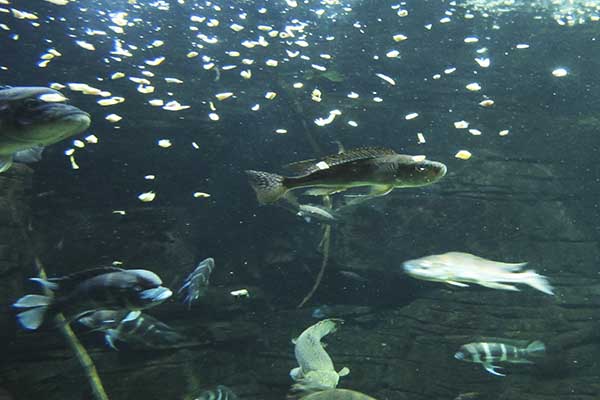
75	345
325	245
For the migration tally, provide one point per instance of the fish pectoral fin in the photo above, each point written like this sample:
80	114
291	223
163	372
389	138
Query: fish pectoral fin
31	155
496	285
110	337
5	162
324	191
455	283
380	190
522	361
344	371
376	191
492	369
133	315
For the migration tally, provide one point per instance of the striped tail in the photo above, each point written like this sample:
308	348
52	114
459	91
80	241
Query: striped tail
536	348
268	187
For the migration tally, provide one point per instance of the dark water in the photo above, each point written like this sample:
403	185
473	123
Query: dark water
529	195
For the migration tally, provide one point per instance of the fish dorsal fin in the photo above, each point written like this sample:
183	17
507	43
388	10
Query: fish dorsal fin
361	153
300	167
68	282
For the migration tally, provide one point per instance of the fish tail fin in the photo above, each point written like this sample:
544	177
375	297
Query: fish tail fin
5	162
536	348
268	187
38	305
110	337
537	281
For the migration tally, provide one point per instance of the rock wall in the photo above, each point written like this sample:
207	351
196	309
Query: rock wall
399	347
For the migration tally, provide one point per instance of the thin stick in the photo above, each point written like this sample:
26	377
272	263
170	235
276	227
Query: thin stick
82	356
325	245
326	240
75	345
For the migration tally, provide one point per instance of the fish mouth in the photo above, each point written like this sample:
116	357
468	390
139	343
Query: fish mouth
60	111
459	356
408	267
156	295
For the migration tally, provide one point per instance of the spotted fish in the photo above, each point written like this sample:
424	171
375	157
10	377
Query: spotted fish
315	370
380	169
337	394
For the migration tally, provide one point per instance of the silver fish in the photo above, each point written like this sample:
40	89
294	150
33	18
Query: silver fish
488	353
33	117
196	283
87	291
221	392
459	269
132	327
353	276
309	211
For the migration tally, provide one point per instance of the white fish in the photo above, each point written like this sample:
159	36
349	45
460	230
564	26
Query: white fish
308	211
456	268
315	369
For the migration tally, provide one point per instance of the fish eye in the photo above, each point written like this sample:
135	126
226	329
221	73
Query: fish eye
420	169
137	288
31	103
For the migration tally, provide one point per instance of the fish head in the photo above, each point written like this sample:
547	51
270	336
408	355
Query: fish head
427	268
461	354
414	171
37	116
144	289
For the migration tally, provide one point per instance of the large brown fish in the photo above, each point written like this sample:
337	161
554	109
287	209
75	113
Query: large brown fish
380	168
33	117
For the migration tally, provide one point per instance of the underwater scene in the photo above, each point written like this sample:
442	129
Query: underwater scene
299	199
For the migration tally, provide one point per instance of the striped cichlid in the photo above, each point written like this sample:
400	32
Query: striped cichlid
83	292
381	169
132	327
219	393
488	353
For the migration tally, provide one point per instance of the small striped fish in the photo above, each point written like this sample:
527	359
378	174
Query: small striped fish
219	393
487	353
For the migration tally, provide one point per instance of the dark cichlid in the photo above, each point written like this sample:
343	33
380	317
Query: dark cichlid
90	290
219	393
488	353
380	168
196	283
33	117
132	327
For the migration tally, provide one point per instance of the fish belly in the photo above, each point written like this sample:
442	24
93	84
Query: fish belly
341	176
